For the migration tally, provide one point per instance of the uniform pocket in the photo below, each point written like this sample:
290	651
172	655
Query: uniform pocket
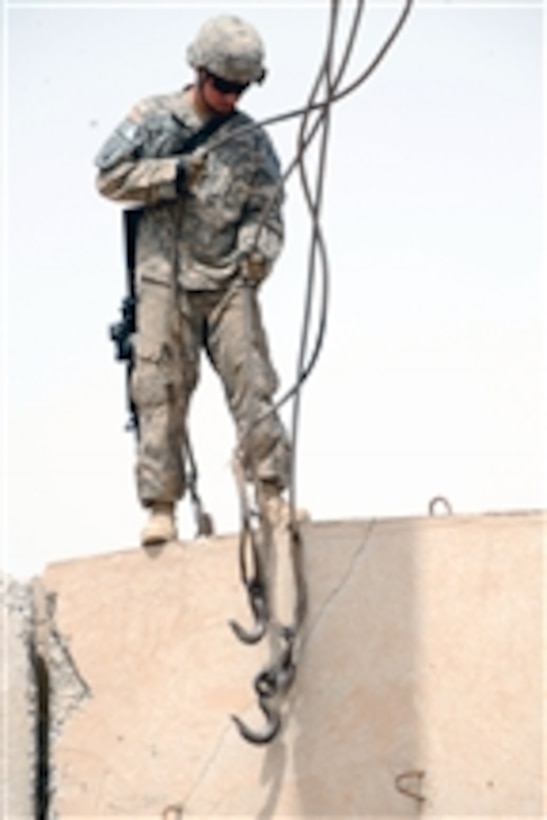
150	377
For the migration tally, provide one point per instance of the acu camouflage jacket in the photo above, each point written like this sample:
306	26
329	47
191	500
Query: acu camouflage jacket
232	208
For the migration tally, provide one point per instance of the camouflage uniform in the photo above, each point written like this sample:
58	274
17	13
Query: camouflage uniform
190	293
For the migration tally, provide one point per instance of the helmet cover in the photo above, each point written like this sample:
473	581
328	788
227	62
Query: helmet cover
229	48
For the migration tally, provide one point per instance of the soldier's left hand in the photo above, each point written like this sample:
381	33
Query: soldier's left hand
253	268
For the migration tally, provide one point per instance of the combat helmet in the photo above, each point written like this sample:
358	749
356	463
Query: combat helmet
229	48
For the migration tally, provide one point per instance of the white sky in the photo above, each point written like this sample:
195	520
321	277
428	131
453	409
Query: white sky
431	378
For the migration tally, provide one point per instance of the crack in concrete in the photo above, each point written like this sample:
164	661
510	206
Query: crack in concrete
182	806
336	591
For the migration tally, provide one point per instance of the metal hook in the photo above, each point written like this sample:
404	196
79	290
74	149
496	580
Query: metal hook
272	729
204	522
259	608
205	526
248	637
272	681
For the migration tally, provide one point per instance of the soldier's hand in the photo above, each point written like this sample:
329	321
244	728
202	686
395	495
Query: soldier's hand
253	268
189	170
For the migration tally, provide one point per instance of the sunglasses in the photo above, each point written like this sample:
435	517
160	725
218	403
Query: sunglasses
227	86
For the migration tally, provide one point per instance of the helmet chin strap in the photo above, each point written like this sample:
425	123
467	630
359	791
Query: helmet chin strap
198	97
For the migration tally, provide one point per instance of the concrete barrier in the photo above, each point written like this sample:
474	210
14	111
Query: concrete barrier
419	689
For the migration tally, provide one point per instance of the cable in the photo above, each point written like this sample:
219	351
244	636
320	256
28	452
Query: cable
275	679
314	203
332	97
310	128
321	107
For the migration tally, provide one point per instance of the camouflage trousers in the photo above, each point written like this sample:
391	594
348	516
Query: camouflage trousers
173	329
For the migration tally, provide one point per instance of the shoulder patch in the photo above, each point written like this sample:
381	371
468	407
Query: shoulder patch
123	144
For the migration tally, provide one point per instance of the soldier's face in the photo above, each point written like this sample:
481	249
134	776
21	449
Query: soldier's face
220	95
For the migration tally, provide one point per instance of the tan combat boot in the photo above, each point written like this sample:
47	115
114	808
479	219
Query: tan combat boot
160	527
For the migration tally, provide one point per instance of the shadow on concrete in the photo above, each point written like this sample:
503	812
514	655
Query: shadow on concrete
356	749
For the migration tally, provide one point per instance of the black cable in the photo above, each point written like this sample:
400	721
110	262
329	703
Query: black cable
314	205
333	95
305	142
317	250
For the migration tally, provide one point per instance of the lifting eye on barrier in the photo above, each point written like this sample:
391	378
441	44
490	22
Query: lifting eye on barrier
440	502
174	812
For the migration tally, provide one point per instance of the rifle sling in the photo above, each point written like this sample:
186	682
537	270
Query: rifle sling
132	216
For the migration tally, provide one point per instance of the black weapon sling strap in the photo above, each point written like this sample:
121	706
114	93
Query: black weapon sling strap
131	216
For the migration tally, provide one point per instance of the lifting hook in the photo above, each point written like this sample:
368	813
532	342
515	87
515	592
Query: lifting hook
273	719
273	680
257	600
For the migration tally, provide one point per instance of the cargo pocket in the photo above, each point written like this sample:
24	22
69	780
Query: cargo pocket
150	379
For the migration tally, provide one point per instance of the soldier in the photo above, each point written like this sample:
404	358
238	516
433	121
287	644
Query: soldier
210	231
